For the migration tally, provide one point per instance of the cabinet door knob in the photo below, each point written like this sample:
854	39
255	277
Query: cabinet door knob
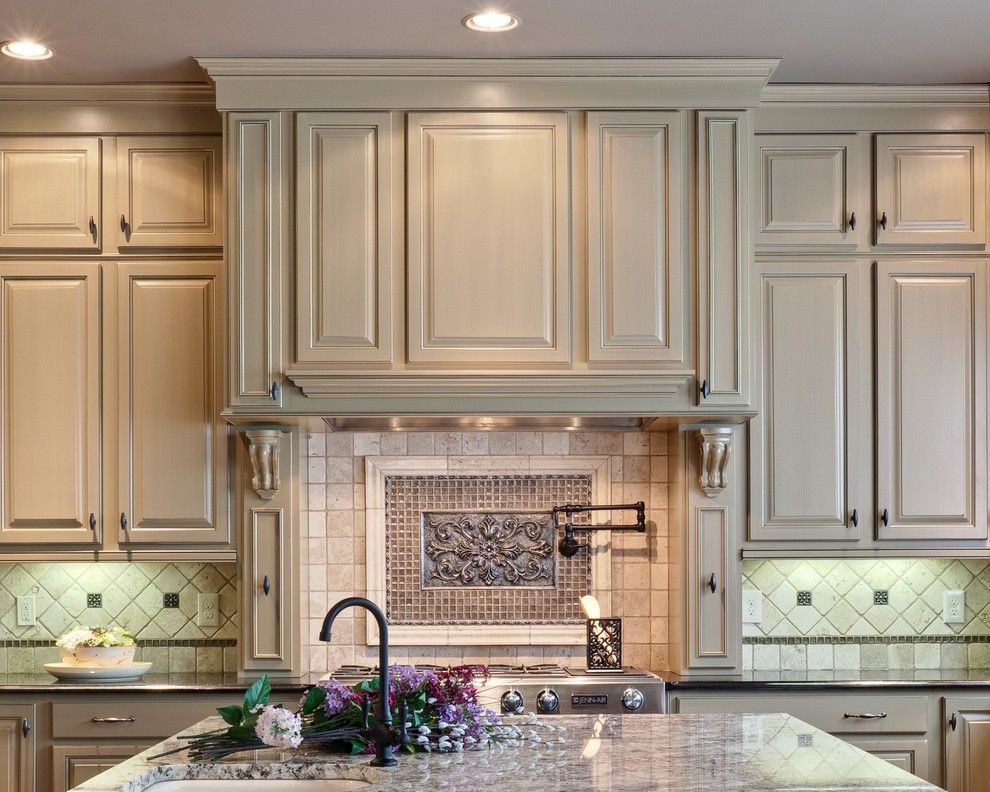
92	521
125	227
705	389
275	391
266	586
885	518
952	722
123	520
855	518
852	222
92	228
713	583
883	220
25	727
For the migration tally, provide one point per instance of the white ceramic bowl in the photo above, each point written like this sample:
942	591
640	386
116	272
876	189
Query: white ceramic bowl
98	656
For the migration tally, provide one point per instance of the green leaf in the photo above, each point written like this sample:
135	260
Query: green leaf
357	745
241	733
232	714
315	699
258	693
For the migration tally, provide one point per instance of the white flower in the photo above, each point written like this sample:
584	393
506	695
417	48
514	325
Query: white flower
424	729
422	739
279	727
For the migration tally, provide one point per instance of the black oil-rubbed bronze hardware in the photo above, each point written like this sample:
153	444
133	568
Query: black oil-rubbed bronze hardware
123	520
855	518
952	722
25	727
125	227
92	227
852	222
113	719
885	518
883	221
266	586
713	583
865	715
705	389
274	391
92	521
569	545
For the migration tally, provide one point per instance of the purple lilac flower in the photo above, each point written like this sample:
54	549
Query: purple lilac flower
339	696
405	679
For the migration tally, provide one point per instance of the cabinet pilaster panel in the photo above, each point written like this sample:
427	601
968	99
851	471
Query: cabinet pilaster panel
931	400
17	748
49	193
635	257
255	152
50	402
724	141
172	448
345	194
489	279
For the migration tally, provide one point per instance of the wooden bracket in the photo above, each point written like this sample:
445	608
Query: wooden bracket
263	449
716	447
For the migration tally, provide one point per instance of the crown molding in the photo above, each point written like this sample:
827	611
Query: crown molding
978	94
124	93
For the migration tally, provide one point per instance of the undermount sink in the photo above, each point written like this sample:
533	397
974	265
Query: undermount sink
260	785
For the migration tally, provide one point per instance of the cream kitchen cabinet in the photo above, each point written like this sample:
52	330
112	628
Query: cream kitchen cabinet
72	764
967	742
50	193
811	449
17	747
489	281
50	390
931	190
169	192
812	190
636	257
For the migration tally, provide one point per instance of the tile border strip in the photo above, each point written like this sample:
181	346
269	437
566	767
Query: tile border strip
790	640
18	643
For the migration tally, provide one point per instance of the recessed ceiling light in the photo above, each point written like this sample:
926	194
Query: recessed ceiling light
26	50
490	22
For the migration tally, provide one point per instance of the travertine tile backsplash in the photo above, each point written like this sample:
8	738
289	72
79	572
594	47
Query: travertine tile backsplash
866	613
131	595
334	537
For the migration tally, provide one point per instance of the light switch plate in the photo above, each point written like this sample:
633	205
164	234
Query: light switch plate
26	616
954	607
752	606
208	610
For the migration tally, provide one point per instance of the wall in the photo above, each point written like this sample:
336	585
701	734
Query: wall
132	596
333	526
866	614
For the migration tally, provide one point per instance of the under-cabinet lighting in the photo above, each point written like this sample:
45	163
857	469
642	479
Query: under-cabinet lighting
490	22
26	50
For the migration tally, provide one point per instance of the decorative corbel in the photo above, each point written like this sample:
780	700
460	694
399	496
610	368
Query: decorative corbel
716	445
263	449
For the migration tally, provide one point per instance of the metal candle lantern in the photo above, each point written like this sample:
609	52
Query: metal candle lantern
604	639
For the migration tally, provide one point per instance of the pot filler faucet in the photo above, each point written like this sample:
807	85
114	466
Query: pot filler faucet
385	738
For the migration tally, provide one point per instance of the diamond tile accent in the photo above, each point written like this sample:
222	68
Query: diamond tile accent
804	598
170	600
881	597
94	600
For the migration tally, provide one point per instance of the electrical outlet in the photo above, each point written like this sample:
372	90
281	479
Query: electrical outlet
752	606
26	616
208	610
954	607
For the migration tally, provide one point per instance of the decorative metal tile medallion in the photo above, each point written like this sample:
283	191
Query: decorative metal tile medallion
488	549
804	598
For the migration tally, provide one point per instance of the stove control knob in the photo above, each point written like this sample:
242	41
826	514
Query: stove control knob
512	702
548	702
632	699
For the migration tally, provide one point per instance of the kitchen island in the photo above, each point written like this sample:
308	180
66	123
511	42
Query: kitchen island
624	753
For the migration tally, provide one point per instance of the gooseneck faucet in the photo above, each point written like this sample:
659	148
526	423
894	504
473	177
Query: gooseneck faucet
382	734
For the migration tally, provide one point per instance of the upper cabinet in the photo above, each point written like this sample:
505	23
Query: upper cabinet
489	240
931	190
169	192
158	192
636	259
817	191
49	193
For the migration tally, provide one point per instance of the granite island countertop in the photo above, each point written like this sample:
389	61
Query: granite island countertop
624	753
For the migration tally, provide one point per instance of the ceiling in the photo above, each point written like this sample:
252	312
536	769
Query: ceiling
846	41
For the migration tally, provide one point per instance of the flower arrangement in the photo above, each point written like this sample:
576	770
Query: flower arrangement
442	714
95	636
97	647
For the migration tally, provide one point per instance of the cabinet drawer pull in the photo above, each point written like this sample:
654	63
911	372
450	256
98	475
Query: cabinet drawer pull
885	518
705	389
865	715
952	722
713	583
92	228
112	719
266	586
855	518
852	222
883	221
25	727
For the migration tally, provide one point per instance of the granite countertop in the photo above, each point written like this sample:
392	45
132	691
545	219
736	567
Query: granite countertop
624	753
818	680
44	682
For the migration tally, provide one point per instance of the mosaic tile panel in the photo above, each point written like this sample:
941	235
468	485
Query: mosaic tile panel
408	502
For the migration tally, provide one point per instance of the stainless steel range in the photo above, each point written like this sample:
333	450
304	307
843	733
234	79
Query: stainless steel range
549	689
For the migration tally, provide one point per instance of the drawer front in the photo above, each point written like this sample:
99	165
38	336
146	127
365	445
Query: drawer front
127	718
836	714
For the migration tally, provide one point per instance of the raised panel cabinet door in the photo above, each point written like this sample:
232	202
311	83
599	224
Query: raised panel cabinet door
489	239
931	190
966	725
931	400
50	193
347	263
257	216
635	253
724	253
811	444
172	446
907	753
50	403
74	764
17	747
169	192
810	191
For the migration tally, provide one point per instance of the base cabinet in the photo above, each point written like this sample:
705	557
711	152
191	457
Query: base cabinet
17	747
74	764
967	742
908	753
